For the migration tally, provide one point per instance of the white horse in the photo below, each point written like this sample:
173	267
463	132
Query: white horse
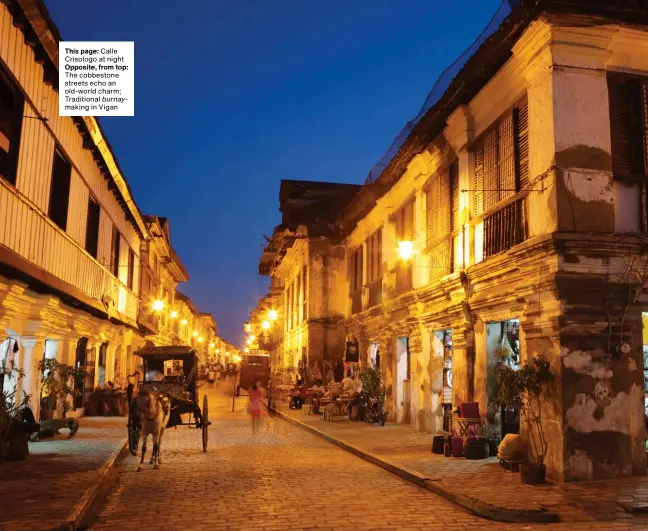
154	410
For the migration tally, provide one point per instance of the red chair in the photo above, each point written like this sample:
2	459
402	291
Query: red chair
469	416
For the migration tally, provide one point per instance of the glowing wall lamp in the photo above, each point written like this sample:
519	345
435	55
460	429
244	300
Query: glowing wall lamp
158	305
265	325
273	315
195	334
174	314
200	339
405	250
184	322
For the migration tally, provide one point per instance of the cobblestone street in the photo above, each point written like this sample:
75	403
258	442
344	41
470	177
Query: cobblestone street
281	479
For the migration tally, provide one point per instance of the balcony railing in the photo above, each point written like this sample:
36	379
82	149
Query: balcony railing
374	289
31	235
504	228
356	301
441	258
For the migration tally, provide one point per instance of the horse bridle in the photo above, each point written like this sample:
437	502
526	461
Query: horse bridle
155	408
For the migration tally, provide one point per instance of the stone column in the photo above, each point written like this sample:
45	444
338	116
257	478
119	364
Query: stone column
463	362
111	353
31	352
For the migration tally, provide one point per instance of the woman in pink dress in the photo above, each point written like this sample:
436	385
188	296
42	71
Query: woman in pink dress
255	407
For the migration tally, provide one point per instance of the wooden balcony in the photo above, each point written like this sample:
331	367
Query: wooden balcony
54	259
504	228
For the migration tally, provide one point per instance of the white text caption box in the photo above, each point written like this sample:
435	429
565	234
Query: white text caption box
96	78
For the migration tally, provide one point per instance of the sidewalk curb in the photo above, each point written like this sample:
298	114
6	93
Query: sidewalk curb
76	515
482	509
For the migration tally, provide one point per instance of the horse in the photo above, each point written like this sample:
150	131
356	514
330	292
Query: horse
154	410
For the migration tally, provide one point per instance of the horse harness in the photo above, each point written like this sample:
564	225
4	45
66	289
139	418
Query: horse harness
163	401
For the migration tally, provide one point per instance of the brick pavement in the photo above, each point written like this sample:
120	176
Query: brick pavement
39	493
485	479
284	478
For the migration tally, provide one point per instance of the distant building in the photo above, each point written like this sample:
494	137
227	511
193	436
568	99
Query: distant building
300	257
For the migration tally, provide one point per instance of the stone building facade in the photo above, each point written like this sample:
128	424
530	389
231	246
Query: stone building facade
513	216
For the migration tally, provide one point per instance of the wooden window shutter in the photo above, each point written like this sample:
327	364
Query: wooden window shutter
506	184
455	220
59	199
408	229
359	268
491	155
445	211
627	126
131	268
114	252
429	221
379	253
479	180
521	122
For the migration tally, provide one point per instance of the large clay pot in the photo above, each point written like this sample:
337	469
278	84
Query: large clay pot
532	475
18	443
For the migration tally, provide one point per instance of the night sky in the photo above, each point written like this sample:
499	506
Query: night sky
232	96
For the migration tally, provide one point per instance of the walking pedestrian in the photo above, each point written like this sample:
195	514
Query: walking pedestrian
255	406
212	376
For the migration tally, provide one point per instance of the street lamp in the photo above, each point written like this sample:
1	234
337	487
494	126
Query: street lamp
184	322
174	314
158	305
273	315
405	250
265	325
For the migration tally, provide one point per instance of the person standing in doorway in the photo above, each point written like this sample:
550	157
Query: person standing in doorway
255	406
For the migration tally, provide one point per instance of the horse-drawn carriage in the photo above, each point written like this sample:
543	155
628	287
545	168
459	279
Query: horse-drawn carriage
171	372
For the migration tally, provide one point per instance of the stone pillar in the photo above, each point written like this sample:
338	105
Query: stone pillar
463	362
111	353
31	352
421	261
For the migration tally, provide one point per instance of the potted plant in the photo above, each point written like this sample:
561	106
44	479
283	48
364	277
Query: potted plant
57	384
526	388
14	432
372	395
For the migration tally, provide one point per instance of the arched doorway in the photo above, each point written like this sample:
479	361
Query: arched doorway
102	364
80	362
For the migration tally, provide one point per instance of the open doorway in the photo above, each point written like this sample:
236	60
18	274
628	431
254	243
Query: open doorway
374	356
47	400
503	350
101	366
443	346
402	379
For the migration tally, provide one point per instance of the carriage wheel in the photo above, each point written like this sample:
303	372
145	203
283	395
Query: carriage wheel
205	424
